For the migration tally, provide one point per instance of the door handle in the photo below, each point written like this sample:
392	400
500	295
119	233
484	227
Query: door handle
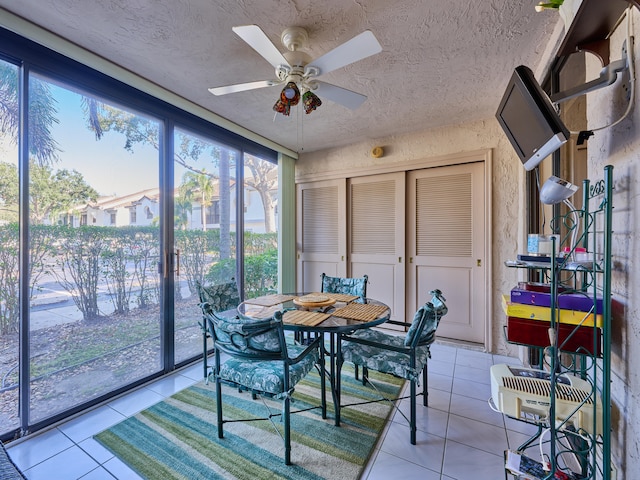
479	262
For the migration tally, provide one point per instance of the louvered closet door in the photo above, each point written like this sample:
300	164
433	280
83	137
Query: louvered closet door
377	237
321	232
445	215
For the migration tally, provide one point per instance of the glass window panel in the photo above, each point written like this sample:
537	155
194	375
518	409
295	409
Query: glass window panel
9	249
94	317
205	222
260	194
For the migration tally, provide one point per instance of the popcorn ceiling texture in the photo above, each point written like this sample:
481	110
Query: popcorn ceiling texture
443	63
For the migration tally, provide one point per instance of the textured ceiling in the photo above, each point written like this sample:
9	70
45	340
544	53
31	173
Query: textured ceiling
442	63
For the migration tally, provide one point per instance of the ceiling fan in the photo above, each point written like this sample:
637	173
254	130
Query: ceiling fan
298	73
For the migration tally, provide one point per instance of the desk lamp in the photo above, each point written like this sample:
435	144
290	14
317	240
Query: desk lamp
556	190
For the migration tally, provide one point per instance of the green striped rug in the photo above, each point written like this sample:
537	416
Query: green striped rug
177	438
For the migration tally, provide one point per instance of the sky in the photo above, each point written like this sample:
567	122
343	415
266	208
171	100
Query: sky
104	163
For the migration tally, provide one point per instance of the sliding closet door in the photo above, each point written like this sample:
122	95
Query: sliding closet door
321	234
446	228
377	237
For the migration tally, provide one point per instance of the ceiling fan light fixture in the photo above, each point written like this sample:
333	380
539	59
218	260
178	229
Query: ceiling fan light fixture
290	93
310	101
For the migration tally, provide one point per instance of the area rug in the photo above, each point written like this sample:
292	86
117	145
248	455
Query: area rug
177	438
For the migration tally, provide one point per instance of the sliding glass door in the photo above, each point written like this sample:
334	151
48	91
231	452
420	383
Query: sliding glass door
94	246
9	248
260	205
113	204
205	218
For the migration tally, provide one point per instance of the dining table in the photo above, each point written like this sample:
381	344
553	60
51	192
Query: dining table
320	314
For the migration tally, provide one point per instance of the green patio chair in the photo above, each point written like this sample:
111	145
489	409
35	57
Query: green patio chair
260	361
347	285
401	356
223	297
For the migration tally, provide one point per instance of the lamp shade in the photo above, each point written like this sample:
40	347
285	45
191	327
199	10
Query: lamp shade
556	190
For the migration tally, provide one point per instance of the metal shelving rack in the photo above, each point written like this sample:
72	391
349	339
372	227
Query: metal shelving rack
591	453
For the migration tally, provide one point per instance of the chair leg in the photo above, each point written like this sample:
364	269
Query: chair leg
425	389
204	357
355	369
412	422
219	407
365	375
323	386
287	432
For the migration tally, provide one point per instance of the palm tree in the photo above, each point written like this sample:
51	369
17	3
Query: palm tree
198	183
182	209
42	115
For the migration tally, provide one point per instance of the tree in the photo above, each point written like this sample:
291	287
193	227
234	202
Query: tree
264	180
182	208
200	184
8	192
52	193
42	114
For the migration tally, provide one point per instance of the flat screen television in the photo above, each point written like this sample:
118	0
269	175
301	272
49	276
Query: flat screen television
529	119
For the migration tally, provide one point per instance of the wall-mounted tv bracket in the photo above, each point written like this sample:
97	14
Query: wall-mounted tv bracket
608	75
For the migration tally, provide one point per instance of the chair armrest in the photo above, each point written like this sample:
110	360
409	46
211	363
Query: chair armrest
310	347
396	322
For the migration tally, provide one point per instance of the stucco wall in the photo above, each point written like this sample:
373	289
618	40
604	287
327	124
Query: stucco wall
620	146
507	191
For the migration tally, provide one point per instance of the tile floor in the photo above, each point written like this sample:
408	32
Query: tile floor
459	436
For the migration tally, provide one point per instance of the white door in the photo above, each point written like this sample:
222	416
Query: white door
321	232
377	237
446	246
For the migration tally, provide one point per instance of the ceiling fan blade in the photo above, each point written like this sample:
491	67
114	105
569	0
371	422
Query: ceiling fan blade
347	98
361	46
258	40
241	87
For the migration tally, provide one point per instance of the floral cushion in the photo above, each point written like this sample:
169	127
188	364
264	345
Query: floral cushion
381	359
430	313
219	297
268	376
231	331
348	286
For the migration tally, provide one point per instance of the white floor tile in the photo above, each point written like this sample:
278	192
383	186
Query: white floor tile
478	375
98	474
43	446
172	384
388	466
135	402
87	425
427	452
475	409
462	462
459	437
476	434
69	464
470	388
95	450
440	382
